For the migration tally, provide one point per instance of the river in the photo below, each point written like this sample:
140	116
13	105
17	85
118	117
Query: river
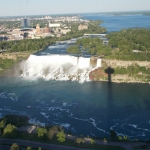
83	108
115	23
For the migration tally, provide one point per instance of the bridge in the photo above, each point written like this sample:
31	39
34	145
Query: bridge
94	34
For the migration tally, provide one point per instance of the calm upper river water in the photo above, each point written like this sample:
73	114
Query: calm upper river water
115	23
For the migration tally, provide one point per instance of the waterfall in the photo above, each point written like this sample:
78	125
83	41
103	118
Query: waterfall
59	67
98	63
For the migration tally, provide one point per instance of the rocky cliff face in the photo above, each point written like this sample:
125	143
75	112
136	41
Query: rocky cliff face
98	75
101	74
121	63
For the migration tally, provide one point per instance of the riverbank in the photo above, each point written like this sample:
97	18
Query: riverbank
14	55
25	134
68	145
119	71
8	60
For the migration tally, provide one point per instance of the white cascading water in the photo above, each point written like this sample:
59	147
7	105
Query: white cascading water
58	67
98	63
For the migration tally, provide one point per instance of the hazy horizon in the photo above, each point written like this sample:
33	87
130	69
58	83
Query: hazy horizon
49	7
111	12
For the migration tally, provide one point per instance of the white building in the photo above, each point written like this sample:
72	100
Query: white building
64	31
54	25
17	37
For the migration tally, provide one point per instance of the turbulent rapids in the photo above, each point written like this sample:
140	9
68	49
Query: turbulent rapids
59	67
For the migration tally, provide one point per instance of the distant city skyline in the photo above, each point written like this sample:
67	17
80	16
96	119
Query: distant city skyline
44	7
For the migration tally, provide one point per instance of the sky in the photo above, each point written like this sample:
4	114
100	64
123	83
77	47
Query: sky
44	7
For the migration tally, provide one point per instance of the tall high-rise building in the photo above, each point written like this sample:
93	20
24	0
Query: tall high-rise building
25	23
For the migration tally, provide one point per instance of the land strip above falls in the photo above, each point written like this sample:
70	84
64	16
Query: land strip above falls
121	63
122	71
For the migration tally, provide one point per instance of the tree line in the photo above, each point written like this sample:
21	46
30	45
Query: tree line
51	134
27	44
93	46
125	41
129	44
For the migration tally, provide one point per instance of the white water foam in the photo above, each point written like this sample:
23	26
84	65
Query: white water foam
36	122
57	46
58	67
136	127
11	96
3	95
44	114
66	125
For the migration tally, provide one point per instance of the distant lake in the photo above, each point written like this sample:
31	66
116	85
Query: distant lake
117	23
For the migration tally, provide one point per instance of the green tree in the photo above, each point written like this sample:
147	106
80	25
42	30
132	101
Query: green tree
113	134
126	138
52	131
92	141
9	129
16	120
120	138
61	136
41	132
79	140
128	40
50	134
14	146
73	50
29	148
105	140
40	148
2	124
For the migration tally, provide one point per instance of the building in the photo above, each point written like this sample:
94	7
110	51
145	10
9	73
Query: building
28	32
46	30
38	30
82	27
17	37
136	51
54	25
25	23
65	31
3	37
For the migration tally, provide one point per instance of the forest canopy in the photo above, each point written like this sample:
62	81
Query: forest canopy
127	44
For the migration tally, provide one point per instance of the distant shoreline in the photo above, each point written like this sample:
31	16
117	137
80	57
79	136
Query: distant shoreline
80	13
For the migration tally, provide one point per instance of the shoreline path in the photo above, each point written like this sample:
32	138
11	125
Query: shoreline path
127	146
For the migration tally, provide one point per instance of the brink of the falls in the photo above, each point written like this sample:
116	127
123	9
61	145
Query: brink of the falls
59	67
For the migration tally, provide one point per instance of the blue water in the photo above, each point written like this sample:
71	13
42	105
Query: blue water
58	48
116	23
90	108
61	48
